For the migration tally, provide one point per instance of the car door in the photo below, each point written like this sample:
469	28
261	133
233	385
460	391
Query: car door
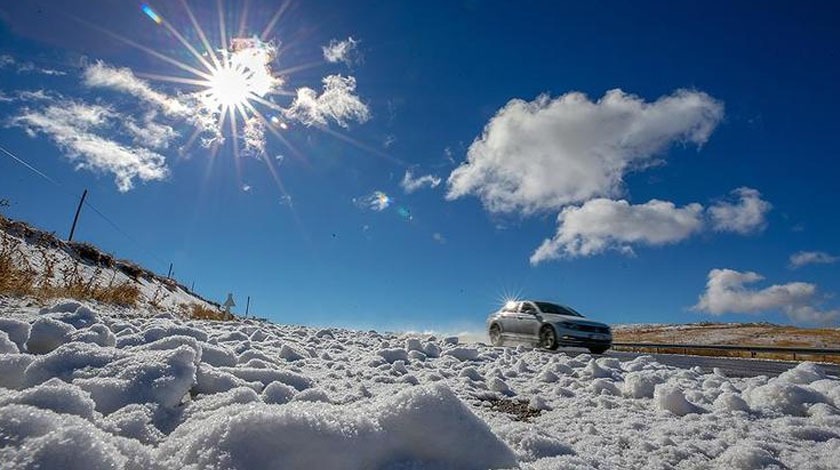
508	317
528	320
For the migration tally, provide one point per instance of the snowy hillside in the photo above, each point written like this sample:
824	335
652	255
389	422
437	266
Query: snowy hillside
84	388
47	267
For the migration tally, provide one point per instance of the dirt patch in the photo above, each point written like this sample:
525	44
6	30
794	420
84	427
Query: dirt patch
519	409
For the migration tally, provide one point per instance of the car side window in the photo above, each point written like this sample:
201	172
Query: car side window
527	308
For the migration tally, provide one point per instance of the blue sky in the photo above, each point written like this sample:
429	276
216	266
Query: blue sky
418	163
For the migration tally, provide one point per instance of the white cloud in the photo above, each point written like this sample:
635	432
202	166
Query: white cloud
547	153
745	216
342	51
439	238
27	67
336	102
602	224
727	291
99	75
253	136
802	258
410	183
78	127
150	134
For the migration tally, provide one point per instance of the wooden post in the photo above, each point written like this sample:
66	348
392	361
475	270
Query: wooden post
169	274
247	306
76	217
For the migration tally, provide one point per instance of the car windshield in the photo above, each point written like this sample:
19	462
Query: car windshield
546	307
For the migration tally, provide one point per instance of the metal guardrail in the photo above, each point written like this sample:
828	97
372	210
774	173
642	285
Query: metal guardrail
750	349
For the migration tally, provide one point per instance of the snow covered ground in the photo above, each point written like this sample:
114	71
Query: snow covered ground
85	387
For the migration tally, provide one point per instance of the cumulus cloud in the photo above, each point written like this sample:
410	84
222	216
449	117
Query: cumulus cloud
603	224
337	102
547	153
100	75
727	291
744	216
79	129
410	183
803	258
342	51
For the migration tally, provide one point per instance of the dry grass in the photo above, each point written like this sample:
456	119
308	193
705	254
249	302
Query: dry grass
733	334
19	279
200	312
736	334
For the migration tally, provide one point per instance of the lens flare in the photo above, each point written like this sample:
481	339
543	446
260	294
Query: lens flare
151	13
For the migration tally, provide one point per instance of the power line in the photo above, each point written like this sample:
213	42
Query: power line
27	165
86	203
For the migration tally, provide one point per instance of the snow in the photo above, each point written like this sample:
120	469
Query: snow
90	386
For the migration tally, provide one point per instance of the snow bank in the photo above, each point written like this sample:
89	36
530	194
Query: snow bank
426	426
37	438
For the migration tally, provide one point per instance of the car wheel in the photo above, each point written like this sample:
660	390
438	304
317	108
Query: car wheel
598	350
548	338
495	335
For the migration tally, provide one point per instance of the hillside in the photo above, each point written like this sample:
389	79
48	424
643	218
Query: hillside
40	266
738	334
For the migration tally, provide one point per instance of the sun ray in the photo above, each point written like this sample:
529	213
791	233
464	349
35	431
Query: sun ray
267	103
201	36
243	19
360	145
186	44
271	128
275	19
143	48
301	67
173	79
222	30
196	132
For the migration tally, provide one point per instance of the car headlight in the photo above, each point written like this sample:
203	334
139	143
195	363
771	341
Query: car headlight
568	325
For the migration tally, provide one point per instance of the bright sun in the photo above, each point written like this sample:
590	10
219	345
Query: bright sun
229	87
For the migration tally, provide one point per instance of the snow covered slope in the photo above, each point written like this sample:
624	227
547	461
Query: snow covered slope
84	388
56	266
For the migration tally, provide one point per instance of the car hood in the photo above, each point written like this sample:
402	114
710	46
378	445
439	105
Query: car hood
553	317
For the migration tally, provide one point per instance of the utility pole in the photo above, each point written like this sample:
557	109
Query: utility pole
247	306
169	274
76	217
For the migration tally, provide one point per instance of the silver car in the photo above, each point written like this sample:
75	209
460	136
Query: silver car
547	324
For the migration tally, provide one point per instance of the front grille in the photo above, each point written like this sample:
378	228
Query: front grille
593	329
